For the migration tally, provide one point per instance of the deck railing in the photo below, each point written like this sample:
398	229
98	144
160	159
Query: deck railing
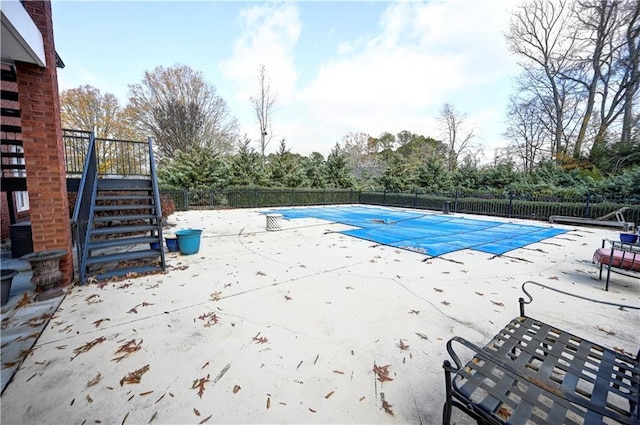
82	214
114	157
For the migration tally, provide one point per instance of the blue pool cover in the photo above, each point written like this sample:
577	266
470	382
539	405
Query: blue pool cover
428	233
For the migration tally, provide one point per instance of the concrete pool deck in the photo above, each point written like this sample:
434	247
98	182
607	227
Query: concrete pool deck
286	326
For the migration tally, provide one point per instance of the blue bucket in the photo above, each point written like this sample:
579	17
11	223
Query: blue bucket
172	244
189	241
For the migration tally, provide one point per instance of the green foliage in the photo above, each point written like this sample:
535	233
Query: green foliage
395	177
338	175
195	168
273	197
432	175
315	170
285	168
247	167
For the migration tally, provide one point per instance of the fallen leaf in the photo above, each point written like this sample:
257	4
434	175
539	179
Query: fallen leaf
423	336
387	407
382	372
416	312
446	302
205	419
25	300
479	293
497	303
438	290
623	351
259	273
95	380
338	372
312	411
362	398
205	365
93	299
260	340
402	345
209	318
145	393
504	412
288	298
268	402
196	411
606	331
134	377
127	348
329	395
554	278
88	346
89	399
161	397
97	323
199	385
236	388
216	296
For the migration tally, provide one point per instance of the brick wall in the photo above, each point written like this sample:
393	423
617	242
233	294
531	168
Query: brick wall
42	140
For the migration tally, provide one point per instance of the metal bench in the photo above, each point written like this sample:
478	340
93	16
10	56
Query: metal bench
534	373
620	222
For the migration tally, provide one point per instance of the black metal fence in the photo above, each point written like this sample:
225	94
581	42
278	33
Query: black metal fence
115	157
510	206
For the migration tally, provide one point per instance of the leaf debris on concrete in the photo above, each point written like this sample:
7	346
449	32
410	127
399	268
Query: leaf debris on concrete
199	384
97	323
402	345
382	372
134	377
127	348
95	380
387	407
88	346
260	339
209	318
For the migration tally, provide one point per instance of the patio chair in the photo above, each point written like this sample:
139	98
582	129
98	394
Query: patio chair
533	372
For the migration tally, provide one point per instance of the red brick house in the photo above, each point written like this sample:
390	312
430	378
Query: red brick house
33	169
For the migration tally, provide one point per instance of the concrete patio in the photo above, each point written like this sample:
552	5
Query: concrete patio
286	327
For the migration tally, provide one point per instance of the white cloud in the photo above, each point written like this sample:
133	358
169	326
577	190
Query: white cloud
269	35
424	54
396	78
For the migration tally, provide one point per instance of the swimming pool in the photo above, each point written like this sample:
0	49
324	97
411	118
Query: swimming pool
428	233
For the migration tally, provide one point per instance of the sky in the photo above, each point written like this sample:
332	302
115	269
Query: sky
337	67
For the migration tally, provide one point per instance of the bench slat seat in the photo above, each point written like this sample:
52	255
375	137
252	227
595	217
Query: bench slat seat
534	373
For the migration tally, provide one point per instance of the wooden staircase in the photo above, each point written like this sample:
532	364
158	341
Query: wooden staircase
117	217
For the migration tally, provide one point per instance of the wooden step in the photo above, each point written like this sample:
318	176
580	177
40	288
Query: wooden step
123	229
106	218
123	256
123	207
110	243
126	271
123	197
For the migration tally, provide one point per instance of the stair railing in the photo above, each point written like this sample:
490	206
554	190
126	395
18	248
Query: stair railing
82	220
156	196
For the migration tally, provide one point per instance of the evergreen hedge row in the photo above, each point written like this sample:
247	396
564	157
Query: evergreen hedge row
511	206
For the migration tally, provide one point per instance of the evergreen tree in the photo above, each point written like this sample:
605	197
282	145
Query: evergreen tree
284	168
338	173
247	167
315	170
196	168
